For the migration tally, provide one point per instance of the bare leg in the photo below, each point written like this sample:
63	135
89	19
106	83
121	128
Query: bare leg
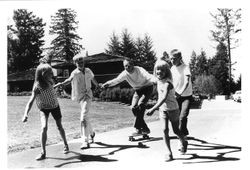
44	128
61	130
164	124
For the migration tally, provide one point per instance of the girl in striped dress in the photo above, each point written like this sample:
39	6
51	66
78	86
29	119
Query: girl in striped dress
47	102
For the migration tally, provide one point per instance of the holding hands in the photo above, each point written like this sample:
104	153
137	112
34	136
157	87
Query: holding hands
149	112
105	85
58	85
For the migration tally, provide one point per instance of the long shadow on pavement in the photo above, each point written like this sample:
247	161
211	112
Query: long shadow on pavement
140	144
79	157
120	147
203	148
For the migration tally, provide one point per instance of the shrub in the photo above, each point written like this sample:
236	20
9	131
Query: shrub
123	95
206	85
24	93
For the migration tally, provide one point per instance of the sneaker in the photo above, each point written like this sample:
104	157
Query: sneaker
137	132
91	140
183	149
168	157
41	156
84	145
66	149
145	131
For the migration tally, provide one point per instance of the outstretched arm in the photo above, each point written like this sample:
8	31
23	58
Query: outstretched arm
28	106
121	77
65	82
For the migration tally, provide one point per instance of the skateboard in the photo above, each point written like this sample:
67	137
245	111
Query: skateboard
133	137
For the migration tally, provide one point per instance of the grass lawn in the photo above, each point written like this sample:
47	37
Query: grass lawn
104	116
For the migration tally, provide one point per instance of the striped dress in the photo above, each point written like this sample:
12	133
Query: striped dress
46	98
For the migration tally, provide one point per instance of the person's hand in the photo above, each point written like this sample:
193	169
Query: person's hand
25	118
177	95
104	86
149	112
59	85
99	86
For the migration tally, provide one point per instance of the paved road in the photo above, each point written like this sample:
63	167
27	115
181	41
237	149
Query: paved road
214	142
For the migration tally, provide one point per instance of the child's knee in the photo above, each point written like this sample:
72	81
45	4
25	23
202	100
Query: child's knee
59	127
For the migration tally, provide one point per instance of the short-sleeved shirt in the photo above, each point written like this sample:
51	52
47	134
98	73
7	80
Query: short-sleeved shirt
45	98
81	84
170	103
138	79
179	75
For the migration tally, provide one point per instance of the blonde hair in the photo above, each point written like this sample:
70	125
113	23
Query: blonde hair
40	79
79	56
160	63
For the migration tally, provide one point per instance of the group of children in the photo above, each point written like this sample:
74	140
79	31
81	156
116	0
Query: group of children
139	79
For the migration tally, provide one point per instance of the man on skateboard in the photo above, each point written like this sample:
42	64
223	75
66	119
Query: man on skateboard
142	82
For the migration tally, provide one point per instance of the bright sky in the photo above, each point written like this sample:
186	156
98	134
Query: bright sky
186	28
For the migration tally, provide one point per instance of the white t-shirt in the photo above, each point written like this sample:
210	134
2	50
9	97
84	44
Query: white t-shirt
179	79
81	84
138	79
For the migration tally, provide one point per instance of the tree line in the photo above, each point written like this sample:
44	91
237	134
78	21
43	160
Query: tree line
209	75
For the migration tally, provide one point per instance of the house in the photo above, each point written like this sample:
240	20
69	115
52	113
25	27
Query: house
104	66
21	81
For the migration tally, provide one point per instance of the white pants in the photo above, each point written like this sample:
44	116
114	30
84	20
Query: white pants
86	128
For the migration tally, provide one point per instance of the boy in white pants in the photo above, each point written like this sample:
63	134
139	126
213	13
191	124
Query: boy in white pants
81	79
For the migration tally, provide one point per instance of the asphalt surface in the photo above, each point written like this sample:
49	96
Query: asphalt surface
215	141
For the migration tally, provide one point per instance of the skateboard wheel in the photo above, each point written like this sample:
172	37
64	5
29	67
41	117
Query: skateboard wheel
140	144
131	139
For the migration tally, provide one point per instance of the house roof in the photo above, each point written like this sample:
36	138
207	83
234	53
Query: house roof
103	58
96	58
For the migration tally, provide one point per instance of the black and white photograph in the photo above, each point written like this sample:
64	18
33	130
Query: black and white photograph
124	84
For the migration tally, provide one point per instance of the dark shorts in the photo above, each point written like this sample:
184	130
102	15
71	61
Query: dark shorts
172	115
56	112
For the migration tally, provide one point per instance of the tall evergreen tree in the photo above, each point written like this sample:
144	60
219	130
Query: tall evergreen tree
149	55
127	45
25	51
192	65
139	53
218	67
140	50
64	25
198	65
202	64
114	45
227	22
